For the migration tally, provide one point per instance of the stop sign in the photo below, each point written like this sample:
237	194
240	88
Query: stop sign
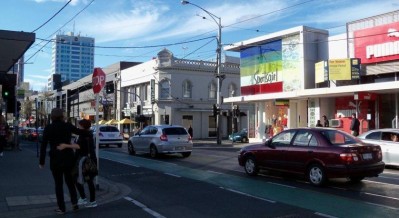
98	80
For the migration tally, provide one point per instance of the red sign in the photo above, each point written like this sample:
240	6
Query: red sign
377	44
98	80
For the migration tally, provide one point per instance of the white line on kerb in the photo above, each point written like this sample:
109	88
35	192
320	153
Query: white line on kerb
170	174
248	195
324	215
145	208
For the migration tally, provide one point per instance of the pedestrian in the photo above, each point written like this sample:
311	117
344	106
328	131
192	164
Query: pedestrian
86	149
318	124
354	125
325	121
62	162
190	131
3	133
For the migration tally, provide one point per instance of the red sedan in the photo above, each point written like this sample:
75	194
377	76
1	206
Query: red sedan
316	153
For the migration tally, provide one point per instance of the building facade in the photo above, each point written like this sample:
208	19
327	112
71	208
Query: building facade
167	90
304	73
72	57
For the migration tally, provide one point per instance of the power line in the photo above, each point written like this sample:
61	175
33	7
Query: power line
52	17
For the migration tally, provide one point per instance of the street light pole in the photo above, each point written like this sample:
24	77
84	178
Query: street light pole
218	65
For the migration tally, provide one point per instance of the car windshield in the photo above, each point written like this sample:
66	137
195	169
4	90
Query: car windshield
338	138
108	129
174	131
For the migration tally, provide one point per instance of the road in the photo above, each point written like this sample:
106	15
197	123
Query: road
210	183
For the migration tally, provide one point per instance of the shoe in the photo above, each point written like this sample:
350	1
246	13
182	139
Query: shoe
92	204
59	211
75	207
82	201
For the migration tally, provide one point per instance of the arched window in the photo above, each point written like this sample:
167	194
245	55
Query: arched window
212	90
232	90
164	89
187	89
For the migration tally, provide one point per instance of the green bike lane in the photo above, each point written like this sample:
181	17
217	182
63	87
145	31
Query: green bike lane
321	203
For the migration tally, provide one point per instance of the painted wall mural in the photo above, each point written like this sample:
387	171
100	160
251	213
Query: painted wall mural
271	67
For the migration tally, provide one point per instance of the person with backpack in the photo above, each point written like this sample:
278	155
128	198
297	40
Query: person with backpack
86	159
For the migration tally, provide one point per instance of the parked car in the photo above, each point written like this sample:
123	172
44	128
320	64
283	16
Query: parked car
108	135
161	139
33	135
241	136
388	140
316	153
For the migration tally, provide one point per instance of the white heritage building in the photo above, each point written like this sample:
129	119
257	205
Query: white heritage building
167	90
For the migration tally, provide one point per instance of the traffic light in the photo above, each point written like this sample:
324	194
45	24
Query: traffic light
109	88
214	110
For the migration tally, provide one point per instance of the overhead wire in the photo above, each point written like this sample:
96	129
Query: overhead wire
52	17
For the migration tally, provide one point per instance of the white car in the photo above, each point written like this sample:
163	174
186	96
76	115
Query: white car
385	138
108	135
161	139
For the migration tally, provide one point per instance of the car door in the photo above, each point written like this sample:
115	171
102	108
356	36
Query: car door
301	151
139	141
273	156
390	149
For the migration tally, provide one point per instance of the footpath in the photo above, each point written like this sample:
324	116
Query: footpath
28	191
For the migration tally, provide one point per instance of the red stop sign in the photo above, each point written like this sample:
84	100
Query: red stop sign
98	80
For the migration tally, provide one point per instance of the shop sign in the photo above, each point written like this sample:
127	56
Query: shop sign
377	44
282	102
344	69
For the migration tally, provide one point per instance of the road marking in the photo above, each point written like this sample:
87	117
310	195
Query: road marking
382	196
248	195
145	208
215	172
385	177
384	183
324	215
174	175
288	186
381	205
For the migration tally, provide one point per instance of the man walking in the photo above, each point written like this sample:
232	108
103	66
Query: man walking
354	125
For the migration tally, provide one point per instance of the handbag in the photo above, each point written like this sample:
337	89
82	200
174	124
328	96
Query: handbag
89	169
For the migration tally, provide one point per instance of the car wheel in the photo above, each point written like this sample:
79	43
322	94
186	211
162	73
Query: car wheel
130	148
186	154
250	166
119	145
356	179
244	140
316	175
153	151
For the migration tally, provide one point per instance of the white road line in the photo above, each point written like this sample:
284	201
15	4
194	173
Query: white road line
382	196
214	172
339	188
324	215
390	173
145	208
383	183
385	177
381	205
288	186
248	195
174	175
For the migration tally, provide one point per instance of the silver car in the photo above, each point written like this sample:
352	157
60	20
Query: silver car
161	139
388	140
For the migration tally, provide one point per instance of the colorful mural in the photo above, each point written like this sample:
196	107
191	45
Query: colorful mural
271	67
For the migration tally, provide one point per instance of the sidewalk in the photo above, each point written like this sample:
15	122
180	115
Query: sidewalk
27	191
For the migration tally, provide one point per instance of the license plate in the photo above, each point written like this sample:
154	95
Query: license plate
367	156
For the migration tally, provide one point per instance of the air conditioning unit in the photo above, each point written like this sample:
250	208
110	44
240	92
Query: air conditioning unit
336	123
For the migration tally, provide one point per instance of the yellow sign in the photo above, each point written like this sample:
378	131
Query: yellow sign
339	69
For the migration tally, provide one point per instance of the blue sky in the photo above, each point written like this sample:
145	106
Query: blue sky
134	23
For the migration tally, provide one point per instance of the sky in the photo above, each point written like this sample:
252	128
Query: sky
136	30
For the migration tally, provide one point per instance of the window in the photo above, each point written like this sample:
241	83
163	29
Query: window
187	89
374	136
232	90
337	138
303	138
283	139
212	90
164	89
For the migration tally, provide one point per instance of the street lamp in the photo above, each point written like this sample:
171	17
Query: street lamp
219	77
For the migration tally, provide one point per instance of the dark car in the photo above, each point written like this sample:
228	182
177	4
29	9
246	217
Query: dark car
241	136
316	153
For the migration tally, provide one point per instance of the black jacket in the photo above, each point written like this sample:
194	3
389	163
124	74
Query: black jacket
54	134
355	125
87	146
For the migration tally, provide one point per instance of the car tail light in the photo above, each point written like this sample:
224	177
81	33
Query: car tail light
163	137
349	157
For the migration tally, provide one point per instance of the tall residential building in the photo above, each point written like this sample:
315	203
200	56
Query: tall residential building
72	57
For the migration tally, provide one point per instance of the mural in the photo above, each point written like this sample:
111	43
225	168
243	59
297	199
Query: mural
271	67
